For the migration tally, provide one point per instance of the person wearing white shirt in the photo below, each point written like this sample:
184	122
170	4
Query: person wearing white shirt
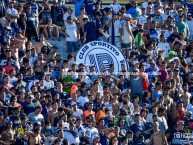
166	14
145	4
168	32
36	116
48	83
142	19
72	35
115	6
150	115
115	30
12	14
76	112
164	46
91	130
71	135
83	99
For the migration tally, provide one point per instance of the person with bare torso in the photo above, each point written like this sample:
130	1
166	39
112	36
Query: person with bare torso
38	45
34	138
158	137
52	114
22	41
7	136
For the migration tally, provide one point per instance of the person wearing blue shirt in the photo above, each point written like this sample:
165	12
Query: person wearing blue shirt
89	4
77	6
59	13
55	74
5	37
36	9
154	33
100	35
28	106
152	71
89	33
134	11
138	127
31	24
48	130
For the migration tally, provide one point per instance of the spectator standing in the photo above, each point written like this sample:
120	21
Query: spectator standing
115	31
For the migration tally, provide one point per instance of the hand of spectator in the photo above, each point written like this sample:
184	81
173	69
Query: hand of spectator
84	41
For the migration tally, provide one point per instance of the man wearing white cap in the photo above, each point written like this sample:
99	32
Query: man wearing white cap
178	133
158	137
96	140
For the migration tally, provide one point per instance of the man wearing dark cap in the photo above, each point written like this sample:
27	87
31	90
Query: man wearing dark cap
100	35
5	37
115	30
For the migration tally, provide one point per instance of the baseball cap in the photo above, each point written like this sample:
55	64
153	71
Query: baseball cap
7	28
128	16
152	64
73	103
191	64
46	74
135	62
98	13
172	62
176	58
189	14
115	13
95	137
10	1
81	64
177	69
69	8
156	124
9	122
92	65
78	118
136	114
41	35
69	18
180	122
37	124
189	113
18	31
55	47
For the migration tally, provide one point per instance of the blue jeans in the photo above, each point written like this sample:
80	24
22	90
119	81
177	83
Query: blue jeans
102	38
71	45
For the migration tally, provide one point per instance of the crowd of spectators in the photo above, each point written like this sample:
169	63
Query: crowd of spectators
51	100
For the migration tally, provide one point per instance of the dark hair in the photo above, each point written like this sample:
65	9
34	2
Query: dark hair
161	109
145	94
158	83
